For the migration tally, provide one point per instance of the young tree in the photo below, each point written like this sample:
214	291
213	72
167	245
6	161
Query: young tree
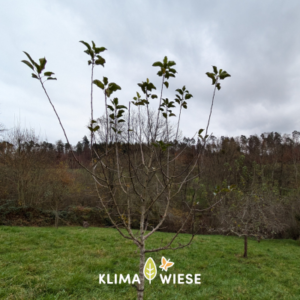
59	184
259	213
135	174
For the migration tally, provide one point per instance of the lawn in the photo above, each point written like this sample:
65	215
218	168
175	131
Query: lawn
45	263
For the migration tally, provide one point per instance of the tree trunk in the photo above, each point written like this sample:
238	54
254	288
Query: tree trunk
245	246
56	214
141	286
56	218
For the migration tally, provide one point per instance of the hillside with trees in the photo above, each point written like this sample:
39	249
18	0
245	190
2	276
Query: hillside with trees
42	184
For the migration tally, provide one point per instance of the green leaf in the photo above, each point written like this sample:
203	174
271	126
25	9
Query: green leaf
115	101
218	86
51	78
86	44
93	122
114	87
150	270
101	49
43	62
166	83
210	75
200	131
153	96
105	80
224	74
157	64
98	83
110	107
165	60
34	76
171	63
188	96
48	73
31	60
151	86
165	115
121	106
28	64
94	129
215	69
100	61
179	91
38	69
88	52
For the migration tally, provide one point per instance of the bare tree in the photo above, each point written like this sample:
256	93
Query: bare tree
135	173
255	214
59	184
23	166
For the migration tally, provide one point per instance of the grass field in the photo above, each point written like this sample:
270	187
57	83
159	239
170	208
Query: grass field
45	263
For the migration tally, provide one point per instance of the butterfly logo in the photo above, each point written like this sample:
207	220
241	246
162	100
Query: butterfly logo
165	264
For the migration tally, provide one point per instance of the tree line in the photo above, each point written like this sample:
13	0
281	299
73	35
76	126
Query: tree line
45	175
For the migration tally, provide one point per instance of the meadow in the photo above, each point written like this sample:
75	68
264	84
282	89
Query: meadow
65	263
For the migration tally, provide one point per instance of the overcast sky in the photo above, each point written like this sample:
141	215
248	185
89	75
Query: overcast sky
257	42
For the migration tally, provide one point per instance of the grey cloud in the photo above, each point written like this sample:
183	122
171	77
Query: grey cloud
256	42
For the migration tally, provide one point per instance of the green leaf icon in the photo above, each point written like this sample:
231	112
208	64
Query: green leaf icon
150	270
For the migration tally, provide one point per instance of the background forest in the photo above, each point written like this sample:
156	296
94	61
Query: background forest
41	184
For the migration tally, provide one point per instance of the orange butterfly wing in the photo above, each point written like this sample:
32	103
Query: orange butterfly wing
163	263
169	264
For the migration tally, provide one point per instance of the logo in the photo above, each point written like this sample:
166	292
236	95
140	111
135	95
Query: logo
150	272
165	264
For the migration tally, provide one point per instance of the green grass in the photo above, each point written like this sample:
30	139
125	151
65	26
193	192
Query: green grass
45	263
